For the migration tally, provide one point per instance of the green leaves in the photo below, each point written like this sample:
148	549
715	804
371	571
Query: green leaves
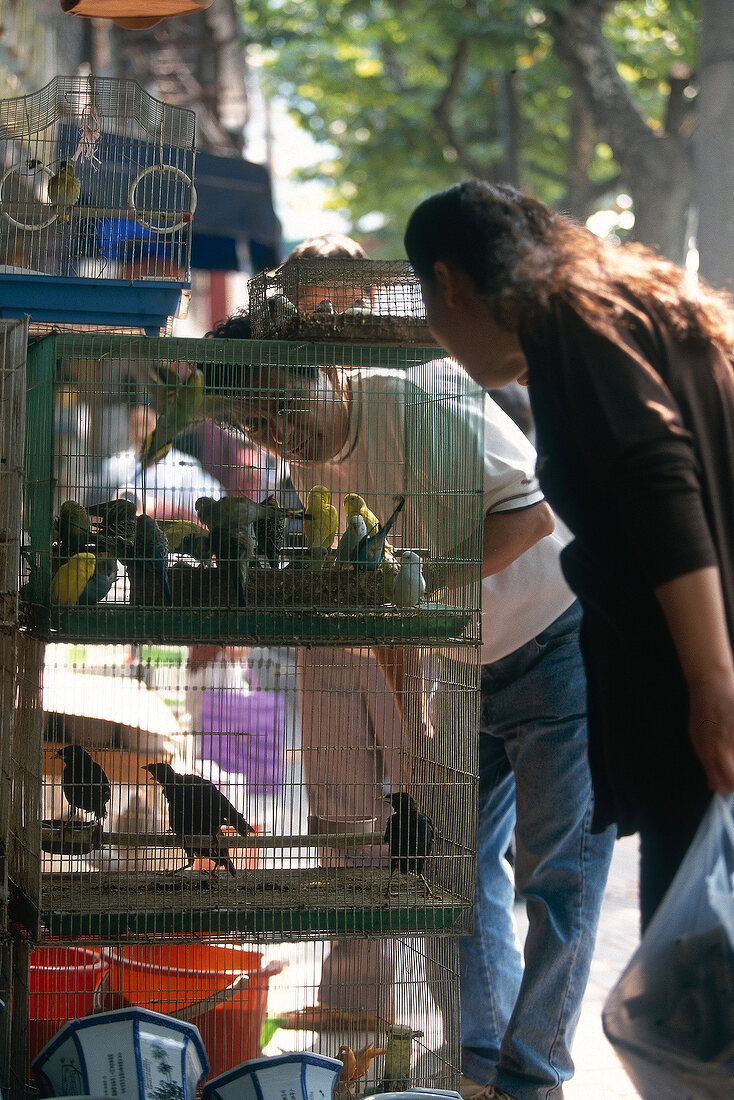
415	96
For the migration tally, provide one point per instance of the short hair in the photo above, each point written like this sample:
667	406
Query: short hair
226	378
329	246
235	327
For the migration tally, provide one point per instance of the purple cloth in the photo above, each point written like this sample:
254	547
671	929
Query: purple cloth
244	734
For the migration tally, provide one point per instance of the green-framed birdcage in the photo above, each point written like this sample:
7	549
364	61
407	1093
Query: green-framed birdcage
306	774
387	1009
345	696
265	576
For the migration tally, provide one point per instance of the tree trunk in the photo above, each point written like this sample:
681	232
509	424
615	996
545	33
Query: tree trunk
655	168
714	144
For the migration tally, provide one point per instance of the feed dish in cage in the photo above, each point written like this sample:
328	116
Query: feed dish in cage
368	301
96	205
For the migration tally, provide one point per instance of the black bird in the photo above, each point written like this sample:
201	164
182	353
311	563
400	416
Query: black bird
409	836
84	783
196	808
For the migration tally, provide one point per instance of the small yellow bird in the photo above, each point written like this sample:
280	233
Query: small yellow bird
320	519
71	579
364	1057
348	1060
183	409
354	505
64	190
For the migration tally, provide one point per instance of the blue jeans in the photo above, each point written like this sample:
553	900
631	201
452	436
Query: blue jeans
517	1025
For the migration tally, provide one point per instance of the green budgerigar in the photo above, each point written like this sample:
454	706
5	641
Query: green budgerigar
184	408
71	529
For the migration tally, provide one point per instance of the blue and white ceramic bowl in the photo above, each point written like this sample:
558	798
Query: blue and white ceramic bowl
131	1054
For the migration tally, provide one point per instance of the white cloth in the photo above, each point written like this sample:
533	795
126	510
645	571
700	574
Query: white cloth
430	433
171	485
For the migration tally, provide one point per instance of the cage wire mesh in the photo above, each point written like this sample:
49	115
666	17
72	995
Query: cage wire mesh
13	338
339	299
97	197
298	689
148	518
200	799
392	1003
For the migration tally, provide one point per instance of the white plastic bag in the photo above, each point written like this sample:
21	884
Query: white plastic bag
670	1017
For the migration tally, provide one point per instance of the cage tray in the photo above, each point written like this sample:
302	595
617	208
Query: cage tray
373	329
301	903
186	626
143	303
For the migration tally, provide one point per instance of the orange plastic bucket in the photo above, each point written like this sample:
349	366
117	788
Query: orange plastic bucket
61	986
221	988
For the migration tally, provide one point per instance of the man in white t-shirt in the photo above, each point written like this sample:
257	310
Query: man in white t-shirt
430	434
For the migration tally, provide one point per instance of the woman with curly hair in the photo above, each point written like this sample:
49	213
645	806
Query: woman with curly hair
631	381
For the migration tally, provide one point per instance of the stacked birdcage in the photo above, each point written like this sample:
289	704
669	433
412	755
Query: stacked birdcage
345	300
243	570
144	568
20	722
96	203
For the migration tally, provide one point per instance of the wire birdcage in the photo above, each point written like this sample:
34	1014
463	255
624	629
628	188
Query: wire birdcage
255	566
97	197
369	301
256	812
302	751
20	716
310	885
392	1021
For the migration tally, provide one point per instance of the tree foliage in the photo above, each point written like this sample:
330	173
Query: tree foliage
411	97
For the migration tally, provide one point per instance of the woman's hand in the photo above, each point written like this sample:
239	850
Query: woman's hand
693	605
711	727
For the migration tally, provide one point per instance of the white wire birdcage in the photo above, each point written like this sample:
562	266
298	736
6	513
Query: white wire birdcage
97	197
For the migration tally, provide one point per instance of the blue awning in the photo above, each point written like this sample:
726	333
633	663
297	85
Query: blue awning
234	208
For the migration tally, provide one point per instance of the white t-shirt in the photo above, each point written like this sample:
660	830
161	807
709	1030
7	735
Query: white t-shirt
430	433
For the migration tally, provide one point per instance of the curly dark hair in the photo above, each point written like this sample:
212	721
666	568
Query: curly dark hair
520	253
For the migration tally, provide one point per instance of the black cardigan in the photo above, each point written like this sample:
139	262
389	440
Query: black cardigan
635	438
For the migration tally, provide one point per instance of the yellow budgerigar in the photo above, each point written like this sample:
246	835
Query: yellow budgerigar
177	530
71	579
355	505
320	520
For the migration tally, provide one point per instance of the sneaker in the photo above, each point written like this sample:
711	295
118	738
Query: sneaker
472	1090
